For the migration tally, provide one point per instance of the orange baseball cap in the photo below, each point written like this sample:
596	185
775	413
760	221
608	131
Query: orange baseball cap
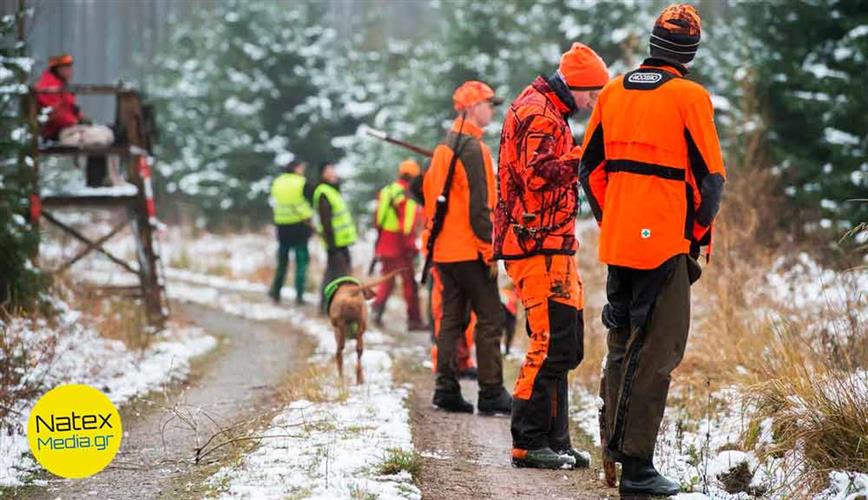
472	92
59	60
409	168
583	69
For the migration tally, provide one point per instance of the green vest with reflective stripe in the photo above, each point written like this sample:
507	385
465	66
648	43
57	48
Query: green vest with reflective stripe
342	221
390	198
290	205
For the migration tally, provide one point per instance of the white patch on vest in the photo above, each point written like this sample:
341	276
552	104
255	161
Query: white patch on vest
645	233
645	78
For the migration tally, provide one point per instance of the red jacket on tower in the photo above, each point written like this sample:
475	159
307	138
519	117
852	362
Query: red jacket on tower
64	110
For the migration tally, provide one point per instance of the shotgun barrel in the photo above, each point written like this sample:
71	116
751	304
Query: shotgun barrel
383	136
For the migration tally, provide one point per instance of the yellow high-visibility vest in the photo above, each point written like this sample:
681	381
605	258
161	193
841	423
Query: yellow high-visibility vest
391	197
342	220
290	205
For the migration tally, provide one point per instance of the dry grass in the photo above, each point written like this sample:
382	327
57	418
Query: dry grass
795	372
397	460
17	360
265	274
318	384
111	314
182	260
818	401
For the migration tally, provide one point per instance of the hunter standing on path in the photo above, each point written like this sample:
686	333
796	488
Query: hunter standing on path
338	228
653	173
292	216
535	236
461	179
397	223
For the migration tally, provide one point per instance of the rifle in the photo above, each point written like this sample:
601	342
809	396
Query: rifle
442	203
383	136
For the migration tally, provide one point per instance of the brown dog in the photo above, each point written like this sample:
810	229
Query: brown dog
348	314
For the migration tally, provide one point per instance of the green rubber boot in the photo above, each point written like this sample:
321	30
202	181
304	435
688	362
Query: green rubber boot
543	458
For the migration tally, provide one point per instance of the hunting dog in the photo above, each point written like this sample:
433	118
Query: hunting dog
348	313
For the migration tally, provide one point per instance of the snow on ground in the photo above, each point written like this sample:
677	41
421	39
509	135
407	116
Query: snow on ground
696	453
240	255
337	459
78	354
584	412
818	295
690	455
122	190
845	486
328	449
331	449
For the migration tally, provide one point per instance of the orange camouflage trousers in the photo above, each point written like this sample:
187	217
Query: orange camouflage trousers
550	289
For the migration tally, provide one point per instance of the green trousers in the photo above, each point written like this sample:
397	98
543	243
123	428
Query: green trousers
291	237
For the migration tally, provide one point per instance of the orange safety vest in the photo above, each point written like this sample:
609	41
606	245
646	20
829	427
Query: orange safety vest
652	167
538	174
457	241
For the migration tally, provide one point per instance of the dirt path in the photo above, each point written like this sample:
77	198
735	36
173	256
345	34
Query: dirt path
467	456
233	386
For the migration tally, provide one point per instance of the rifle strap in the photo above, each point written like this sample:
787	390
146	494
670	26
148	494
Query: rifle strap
447	187
440	215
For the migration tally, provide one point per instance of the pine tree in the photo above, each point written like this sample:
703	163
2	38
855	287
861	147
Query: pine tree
240	89
20	281
810	58
506	43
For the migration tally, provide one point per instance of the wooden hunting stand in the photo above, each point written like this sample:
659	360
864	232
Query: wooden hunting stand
133	137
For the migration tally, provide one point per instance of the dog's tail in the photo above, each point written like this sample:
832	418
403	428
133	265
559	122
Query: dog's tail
369	286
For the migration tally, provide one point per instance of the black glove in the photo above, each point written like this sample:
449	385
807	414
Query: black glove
695	250
694	270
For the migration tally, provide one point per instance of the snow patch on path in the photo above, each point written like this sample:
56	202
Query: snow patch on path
331	449
328	449
82	356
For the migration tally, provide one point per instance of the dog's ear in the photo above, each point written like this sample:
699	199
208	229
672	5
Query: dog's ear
368	293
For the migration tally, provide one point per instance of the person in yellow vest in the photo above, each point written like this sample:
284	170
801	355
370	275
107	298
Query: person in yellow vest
338	231
397	221
293	214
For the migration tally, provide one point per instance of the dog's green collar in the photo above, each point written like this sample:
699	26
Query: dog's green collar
333	286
